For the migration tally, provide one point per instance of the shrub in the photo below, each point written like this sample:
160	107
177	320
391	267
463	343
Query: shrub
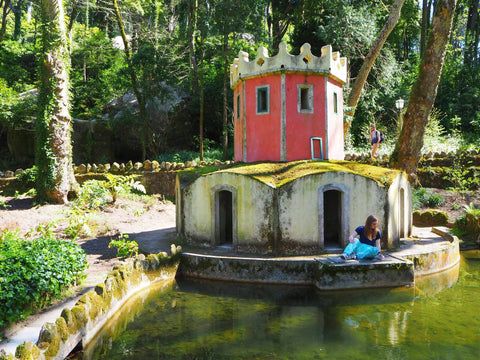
126	248
35	271
93	195
421	197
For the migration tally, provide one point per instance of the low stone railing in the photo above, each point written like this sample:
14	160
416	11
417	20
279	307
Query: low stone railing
83	321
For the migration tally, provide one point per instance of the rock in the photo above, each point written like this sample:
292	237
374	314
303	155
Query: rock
147	165
18	172
163	165
137	166
155	165
116	167
82	169
94	168
9	174
168	166
89	168
129	166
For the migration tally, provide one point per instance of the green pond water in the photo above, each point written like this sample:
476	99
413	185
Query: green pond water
438	319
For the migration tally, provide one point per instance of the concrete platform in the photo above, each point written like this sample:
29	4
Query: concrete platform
428	251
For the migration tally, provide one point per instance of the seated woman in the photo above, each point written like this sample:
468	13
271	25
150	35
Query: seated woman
368	247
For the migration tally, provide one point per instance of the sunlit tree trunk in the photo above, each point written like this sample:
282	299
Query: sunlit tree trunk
55	178
5	4
368	62
192	25
407	151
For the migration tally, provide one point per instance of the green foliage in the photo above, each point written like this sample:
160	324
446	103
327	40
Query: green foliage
422	197
471	209
78	224
93	195
211	153
35	271
97	72
28	177
126	248
462	175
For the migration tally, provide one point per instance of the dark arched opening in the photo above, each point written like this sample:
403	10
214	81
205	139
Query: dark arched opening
332	219
225	216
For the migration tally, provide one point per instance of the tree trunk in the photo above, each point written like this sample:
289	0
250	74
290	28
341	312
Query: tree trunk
425	23
408	149
17	9
471	35
368	63
5	12
225	93
192	25
202	97
55	177
134	80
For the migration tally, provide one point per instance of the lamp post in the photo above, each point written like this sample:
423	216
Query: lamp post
399	105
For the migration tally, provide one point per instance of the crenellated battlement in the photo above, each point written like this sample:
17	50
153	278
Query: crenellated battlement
329	63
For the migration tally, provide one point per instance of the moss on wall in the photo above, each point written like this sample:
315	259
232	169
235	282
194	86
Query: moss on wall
430	217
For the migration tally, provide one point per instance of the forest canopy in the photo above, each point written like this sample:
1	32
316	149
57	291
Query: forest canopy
180	52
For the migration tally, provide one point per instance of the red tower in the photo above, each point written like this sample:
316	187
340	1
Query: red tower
288	107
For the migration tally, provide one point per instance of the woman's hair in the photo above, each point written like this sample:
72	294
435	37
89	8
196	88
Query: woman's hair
370	234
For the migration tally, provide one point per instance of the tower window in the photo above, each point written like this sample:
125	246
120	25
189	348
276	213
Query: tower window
238	106
305	98
335	103
263	93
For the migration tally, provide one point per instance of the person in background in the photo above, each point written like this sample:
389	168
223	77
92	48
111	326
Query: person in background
365	242
375	140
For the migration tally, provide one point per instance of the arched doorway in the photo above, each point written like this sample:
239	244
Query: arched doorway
332	223
402	213
333	216
225	215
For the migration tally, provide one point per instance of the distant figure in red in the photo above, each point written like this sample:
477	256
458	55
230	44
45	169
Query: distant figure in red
369	245
375	139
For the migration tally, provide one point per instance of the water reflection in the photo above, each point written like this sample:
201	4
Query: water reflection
218	320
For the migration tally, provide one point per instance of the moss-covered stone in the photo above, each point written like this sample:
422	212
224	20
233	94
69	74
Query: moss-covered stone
431	217
70	320
472	226
62	328
27	351
5	356
80	315
50	339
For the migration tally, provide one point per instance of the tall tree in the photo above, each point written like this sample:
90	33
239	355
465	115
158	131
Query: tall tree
54	148
407	151
5	5
134	80
369	60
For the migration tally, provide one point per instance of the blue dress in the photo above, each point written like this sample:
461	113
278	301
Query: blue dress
363	248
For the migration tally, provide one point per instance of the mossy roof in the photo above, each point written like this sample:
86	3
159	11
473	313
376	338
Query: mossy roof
278	174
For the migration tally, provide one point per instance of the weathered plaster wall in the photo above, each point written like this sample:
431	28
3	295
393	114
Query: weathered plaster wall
300	215
254	211
288	219
399	211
